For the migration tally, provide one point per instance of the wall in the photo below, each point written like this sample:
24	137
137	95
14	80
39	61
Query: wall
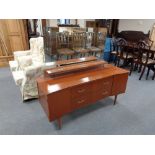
82	23
52	22
136	24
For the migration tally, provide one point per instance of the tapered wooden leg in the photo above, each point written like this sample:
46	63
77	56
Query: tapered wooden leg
154	73
148	71
115	99
115	60
153	76
140	68
142	73
118	62
59	123
131	69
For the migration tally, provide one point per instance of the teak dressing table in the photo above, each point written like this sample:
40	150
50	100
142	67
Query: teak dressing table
66	88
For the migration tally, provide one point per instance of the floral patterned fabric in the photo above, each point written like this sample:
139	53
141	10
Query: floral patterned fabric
24	61
29	65
26	79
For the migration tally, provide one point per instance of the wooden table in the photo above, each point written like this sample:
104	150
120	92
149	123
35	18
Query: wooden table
60	95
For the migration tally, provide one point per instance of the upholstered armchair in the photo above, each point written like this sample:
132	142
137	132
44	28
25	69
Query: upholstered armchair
27	66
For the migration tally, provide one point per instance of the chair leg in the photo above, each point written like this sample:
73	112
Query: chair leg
131	69
153	76
140	68
58	56
115	60
153	69
135	67
109	58
148	71
142	73
118	62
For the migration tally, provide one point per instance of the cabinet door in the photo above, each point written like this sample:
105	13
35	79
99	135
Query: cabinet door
59	104
119	84
17	33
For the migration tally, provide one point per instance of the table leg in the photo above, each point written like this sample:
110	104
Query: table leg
59	123
115	99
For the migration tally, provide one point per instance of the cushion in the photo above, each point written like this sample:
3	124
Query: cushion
65	51
24	61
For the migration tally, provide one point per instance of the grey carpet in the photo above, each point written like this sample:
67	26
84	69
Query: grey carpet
133	114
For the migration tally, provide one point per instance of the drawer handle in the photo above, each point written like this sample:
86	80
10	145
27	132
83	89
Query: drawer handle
81	91
104	93
81	101
105	83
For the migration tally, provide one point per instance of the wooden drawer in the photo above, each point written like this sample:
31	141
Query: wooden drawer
103	84
81	90
79	102
100	94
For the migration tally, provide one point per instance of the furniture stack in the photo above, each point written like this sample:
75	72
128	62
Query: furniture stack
76	44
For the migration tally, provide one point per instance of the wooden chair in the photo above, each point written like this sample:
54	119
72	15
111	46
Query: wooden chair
123	52
78	41
90	43
63	45
144	58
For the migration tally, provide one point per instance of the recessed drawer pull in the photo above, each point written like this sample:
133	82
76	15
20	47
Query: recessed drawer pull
81	90
81	101
104	93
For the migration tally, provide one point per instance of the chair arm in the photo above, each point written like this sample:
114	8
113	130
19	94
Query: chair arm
31	72
21	53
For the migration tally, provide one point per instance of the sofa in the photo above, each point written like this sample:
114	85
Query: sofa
27	66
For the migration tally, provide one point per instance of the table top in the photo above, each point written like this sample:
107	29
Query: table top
51	85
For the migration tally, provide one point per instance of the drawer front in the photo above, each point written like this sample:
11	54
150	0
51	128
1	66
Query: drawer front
100	94
103	84
80	102
80	90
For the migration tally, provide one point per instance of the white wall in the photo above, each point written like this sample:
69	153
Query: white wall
52	22
72	21
136	24
81	23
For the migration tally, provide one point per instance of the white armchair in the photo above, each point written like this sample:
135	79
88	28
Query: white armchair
27	66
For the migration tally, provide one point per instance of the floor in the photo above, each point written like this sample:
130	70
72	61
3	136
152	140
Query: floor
134	112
